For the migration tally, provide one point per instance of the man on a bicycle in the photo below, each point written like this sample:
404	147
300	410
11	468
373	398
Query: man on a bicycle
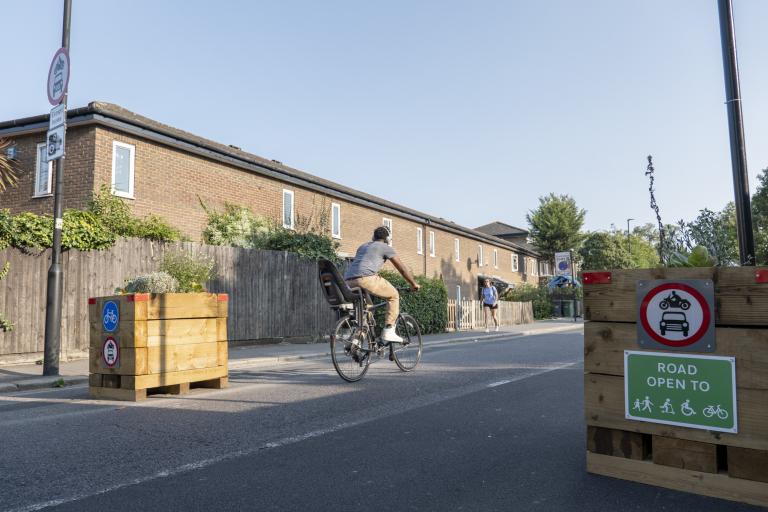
363	273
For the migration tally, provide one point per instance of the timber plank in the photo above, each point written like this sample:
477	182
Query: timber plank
175	358
748	464
708	484
182	305
617	443
181	331
739	300
132	361
166	379
684	454
131	395
128	334
222	353
604	407
605	343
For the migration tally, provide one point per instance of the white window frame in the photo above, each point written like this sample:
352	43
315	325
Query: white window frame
335	214
515	262
480	256
534	267
419	241
495	258
132	168
457	249
287	192
388	223
35	192
432	244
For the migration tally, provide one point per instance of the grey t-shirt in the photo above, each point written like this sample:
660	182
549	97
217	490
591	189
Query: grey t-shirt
369	259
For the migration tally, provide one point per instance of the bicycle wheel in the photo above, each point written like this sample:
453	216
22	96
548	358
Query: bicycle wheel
408	353
349	350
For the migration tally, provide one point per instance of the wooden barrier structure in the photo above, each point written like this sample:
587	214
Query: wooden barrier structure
157	343
732	466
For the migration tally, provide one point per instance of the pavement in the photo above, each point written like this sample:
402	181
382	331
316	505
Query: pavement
29	376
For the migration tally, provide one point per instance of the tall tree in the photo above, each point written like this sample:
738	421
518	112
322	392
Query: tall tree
556	224
611	249
7	170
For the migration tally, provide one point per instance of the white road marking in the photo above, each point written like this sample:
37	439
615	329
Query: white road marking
201	464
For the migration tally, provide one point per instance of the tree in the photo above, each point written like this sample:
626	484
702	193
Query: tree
760	217
7	169
603	250
717	232
556	225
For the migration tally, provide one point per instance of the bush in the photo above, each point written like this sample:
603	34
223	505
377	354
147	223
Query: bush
237	226
307	245
539	295
116	215
429	306
156	282
84	231
191	271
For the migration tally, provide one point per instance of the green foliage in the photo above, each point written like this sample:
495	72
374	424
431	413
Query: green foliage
556	225
237	226
760	218
5	324
307	245
698	257
156	282
116	215
8	177
84	231
429	306
153	227
538	295
191	271
610	250
31	231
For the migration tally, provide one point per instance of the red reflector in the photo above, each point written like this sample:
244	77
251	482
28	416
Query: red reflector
761	275
92	300
223	297
596	278
138	297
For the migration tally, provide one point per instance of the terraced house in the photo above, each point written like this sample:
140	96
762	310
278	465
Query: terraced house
147	162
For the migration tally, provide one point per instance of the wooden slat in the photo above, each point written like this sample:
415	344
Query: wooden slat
708	484
684	454
605	343
127	334
739	300
183	305
182	331
748	464
132	361
174	358
167	379
617	443
222	353
604	407
130	395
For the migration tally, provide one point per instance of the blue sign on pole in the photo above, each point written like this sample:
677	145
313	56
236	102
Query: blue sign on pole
110	316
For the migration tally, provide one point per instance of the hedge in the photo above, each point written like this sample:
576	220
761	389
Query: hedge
429	306
538	295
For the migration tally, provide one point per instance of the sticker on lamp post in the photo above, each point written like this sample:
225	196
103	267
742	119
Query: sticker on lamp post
110	353
684	390
676	315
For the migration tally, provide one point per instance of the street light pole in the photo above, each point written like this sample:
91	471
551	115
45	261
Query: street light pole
736	131
52	347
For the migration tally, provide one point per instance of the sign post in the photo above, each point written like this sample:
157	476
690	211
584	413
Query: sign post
681	389
58	82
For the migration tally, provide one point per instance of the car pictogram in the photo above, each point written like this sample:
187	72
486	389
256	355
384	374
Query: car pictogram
674	321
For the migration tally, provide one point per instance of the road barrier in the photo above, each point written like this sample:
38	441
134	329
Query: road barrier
676	379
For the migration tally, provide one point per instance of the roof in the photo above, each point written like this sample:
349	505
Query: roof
500	229
119	118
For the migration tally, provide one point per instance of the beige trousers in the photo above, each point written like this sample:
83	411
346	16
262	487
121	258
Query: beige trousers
380	287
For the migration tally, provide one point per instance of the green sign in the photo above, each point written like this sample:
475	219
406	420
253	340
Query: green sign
679	389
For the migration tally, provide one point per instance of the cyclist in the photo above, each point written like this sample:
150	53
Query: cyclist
363	273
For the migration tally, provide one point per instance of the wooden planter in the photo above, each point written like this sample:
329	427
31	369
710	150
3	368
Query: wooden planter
163	343
718	464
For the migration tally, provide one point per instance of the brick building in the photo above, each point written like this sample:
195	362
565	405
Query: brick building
162	170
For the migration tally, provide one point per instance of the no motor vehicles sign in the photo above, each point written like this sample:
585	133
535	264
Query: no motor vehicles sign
676	315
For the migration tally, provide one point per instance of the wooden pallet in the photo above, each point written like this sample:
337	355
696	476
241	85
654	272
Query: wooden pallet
138	387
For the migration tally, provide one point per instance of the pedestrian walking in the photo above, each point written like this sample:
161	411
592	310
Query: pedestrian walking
490	303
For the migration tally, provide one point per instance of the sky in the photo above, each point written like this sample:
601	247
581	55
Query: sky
470	111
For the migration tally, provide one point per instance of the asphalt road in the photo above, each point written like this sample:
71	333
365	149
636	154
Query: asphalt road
479	426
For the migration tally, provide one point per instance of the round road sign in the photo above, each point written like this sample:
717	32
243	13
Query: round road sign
110	352
58	77
110	316
675	314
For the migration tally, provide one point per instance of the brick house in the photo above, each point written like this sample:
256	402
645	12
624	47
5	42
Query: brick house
163	170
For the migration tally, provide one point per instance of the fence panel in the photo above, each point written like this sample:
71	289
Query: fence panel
272	294
468	314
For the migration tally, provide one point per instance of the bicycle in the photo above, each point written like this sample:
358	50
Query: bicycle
353	341
710	411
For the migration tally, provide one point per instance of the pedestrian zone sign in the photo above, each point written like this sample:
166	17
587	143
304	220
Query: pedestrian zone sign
685	390
676	315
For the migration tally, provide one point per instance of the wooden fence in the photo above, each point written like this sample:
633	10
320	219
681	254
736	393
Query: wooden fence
468	314
273	295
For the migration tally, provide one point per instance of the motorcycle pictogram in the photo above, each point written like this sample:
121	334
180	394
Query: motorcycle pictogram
676	302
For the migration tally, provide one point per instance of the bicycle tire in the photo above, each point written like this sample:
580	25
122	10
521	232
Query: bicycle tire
351	364
407	354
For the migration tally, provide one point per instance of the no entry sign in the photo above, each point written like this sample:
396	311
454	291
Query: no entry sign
110	352
676	315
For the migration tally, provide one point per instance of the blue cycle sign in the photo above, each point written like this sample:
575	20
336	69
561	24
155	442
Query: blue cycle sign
110	316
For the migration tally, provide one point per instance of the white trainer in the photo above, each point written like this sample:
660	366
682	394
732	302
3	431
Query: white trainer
497	328
487	330
388	334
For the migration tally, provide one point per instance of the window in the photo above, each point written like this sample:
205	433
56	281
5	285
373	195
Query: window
43	172
534	267
288	209
122	169
335	220
432	243
388	223
457	249
480	259
495	258
515	263
419	241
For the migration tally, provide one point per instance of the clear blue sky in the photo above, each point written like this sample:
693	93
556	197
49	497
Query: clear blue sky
466	110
